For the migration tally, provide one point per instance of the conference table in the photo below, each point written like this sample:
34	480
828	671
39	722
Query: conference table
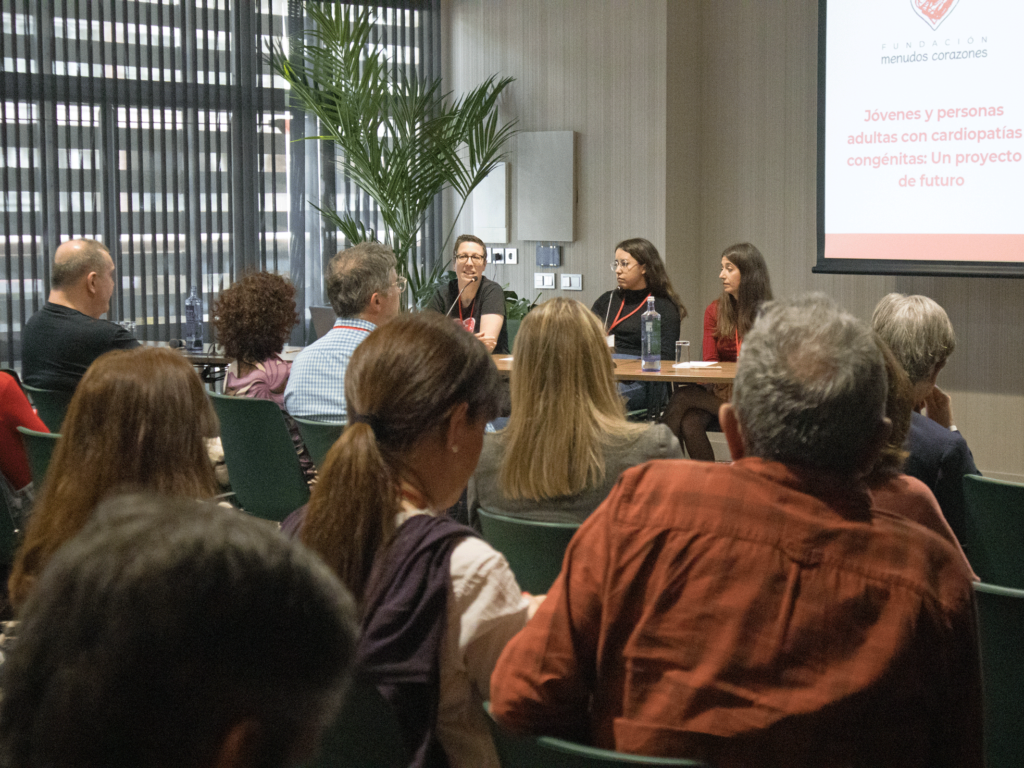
629	370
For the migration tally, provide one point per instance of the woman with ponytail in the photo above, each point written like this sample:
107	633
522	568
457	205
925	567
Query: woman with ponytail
438	604
745	286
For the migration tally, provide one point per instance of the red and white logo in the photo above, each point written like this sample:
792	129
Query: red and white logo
934	12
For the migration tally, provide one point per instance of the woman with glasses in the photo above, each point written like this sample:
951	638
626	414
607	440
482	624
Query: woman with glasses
472	300
639	273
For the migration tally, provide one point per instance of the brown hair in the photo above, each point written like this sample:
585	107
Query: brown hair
138	420
401	384
468	239
899	403
647	255
254	317
736	314
565	407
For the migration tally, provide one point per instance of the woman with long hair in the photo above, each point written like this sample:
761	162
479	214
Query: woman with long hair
568	439
745	286
253	319
438	604
138	420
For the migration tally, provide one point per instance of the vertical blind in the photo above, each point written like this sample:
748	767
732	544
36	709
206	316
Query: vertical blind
156	127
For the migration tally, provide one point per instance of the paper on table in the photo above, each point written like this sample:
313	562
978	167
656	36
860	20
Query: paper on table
699	364
505	359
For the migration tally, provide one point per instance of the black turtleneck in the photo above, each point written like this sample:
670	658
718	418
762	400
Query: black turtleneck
627	332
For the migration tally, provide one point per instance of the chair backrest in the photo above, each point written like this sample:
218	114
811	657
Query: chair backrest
318	436
994	530
39	447
10	517
533	549
1001	632
263	467
50	404
546	751
365	734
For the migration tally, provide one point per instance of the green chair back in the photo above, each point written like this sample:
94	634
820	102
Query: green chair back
39	447
549	752
533	549
318	437
994	530
50	404
262	464
1001	632
365	734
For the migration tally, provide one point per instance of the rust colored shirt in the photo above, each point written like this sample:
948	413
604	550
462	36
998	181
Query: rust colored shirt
752	615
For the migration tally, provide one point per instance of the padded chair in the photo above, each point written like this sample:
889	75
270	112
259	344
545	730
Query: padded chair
549	752
1001	632
50	404
318	436
994	530
39	447
533	549
365	733
262	464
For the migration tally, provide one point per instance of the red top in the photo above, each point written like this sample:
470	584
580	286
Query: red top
752	614
720	350
15	412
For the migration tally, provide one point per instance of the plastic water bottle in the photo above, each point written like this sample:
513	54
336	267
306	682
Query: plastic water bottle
194	322
650	338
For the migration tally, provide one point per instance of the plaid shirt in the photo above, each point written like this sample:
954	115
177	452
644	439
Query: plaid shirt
752	615
316	386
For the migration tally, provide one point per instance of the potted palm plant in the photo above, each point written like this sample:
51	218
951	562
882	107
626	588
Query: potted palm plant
401	140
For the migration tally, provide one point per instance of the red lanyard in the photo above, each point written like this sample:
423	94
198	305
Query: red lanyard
350	328
622	306
471	306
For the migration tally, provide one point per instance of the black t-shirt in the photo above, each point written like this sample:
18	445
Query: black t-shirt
58	344
627	332
489	300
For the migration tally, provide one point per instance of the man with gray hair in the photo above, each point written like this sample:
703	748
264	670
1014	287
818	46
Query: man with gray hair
764	612
921	338
60	341
365	291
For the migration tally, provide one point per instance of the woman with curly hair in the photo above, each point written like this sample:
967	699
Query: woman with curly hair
253	319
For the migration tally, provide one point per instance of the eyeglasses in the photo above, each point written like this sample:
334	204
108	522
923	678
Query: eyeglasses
626	265
401	283
462	258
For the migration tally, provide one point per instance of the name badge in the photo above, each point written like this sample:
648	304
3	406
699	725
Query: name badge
610	340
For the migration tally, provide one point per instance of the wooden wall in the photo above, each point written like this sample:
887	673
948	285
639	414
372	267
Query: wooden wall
697	129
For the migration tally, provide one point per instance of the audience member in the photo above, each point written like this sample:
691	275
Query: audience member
481	302
138	420
890	489
170	633
567	439
253	319
761	613
60	341
15	411
919	333
365	291
438	604
745	286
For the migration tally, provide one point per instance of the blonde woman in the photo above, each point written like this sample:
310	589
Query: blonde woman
568	439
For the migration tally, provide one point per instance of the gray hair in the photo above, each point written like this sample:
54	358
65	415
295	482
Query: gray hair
86	256
810	386
917	331
161	625
355	274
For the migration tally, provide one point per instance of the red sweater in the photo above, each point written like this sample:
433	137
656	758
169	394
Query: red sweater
15	412
720	350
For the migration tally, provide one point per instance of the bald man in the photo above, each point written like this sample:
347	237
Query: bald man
62	339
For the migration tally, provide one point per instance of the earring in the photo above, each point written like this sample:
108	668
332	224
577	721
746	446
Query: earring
455	449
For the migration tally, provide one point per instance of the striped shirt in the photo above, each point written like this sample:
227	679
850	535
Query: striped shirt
316	387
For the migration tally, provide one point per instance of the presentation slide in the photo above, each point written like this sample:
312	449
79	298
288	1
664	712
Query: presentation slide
922	150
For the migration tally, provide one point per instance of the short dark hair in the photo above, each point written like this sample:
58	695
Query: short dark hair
89	257
468	239
355	274
160	627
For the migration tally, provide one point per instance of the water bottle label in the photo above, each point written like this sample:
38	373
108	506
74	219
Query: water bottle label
650	327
